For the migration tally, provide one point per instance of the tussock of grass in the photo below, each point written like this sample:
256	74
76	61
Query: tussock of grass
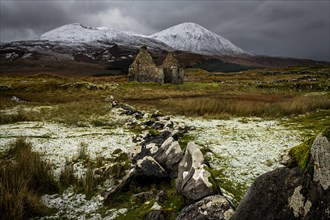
83	152
19	116
88	183
67	176
23	178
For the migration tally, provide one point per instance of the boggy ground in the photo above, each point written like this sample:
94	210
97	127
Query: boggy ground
243	121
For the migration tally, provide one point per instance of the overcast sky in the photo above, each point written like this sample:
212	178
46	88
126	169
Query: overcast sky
278	27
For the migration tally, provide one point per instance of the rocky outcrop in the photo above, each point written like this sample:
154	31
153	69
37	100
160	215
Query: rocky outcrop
293	193
321	156
194	180
268	196
173	71
143	69
212	207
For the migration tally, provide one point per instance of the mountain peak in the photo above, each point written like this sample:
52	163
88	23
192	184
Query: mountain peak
197	39
79	33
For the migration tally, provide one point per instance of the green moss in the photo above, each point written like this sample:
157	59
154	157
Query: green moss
235	189
184	139
326	133
211	179
153	132
118	156
137	210
301	153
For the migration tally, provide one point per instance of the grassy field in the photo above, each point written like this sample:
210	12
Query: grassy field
297	96
266	93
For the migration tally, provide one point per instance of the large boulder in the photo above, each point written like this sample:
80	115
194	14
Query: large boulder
302	192
194	180
321	157
268	197
143	69
214	207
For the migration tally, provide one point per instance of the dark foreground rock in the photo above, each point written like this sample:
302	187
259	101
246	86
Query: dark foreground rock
293	193
214	207
268	197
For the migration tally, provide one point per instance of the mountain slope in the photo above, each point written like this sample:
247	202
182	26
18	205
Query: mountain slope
78	33
197	39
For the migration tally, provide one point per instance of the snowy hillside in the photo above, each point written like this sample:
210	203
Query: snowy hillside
79	33
197	39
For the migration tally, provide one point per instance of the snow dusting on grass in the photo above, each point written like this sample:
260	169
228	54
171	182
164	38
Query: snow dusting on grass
242	148
58	143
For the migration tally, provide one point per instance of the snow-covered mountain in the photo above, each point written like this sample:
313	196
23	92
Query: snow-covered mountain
78	33
197	39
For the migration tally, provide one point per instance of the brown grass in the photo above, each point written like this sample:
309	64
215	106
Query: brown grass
270	106
23	178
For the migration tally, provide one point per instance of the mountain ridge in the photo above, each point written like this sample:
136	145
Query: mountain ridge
188	37
194	38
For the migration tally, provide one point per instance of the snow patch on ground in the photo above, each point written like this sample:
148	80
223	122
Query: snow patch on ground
58	143
243	148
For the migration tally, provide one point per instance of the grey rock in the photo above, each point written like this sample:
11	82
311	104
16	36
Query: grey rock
193	180
149	167
4	88
269	196
156	215
214	207
157	139
321	157
290	193
124	183
169	155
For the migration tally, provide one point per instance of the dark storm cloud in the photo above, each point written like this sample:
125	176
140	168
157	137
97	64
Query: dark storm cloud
281	28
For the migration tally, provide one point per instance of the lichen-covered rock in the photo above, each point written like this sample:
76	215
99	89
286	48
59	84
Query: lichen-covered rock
194	180
214	207
143	69
173	72
149	167
301	192
156	215
321	157
268	197
169	155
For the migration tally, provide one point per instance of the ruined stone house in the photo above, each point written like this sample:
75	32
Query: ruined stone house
143	69
173	72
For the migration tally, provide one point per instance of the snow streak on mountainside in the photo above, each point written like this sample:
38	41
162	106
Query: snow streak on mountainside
78	33
195	38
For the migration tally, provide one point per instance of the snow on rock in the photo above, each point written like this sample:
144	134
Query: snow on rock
78	33
197	39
